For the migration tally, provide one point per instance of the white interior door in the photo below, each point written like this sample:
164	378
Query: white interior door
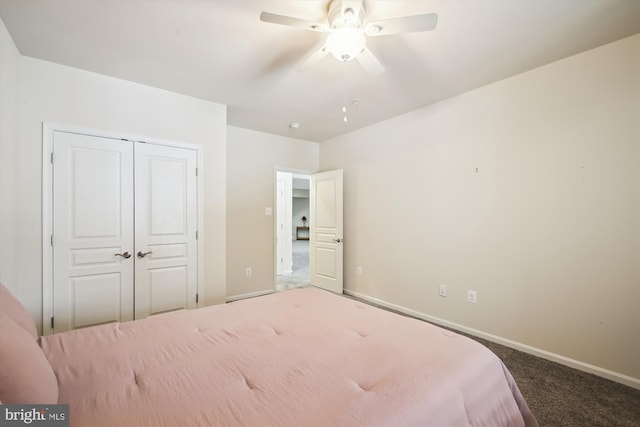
92	231
325	237
166	224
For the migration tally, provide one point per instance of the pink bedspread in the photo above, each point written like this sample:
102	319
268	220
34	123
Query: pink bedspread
297	358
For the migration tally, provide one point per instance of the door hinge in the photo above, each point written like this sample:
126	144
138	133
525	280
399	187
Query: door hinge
196	234
52	240
196	171
51	157
52	323
196	298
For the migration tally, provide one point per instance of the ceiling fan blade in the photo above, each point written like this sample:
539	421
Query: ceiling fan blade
369	62
311	60
290	21
407	24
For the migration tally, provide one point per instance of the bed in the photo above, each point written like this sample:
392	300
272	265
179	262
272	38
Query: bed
303	357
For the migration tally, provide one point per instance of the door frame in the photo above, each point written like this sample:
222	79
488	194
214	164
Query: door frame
275	215
283	222
48	130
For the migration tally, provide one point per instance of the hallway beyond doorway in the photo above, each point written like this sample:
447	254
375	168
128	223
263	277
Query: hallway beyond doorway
300	276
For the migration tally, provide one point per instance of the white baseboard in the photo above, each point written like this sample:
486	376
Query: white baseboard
576	364
249	295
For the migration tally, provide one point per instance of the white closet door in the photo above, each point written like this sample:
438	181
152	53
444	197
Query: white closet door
166	221
92	224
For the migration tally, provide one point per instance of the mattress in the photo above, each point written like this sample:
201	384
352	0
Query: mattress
303	357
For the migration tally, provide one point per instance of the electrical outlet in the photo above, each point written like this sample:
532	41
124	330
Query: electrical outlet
359	271
443	290
248	272
472	296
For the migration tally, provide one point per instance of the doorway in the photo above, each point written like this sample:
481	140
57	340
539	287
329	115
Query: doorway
292	230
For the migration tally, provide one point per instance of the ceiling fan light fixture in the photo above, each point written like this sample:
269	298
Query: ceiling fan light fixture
346	43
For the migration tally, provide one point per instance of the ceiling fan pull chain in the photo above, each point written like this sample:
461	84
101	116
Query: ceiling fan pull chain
344	92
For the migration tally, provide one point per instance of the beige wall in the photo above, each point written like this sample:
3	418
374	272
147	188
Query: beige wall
252	159
9	66
53	93
547	231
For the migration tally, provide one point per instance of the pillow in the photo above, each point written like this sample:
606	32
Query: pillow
25	373
10	306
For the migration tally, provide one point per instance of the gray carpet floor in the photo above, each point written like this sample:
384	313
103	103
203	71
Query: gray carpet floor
561	396
300	275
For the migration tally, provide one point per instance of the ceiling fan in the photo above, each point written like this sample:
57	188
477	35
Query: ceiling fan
348	28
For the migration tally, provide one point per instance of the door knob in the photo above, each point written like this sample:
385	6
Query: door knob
143	254
338	240
125	255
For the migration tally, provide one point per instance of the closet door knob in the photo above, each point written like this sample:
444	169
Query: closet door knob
125	255
143	254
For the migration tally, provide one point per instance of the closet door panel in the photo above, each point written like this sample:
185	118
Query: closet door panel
92	223
166	219
168	287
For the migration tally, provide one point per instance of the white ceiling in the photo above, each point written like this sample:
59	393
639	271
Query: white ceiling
219	50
